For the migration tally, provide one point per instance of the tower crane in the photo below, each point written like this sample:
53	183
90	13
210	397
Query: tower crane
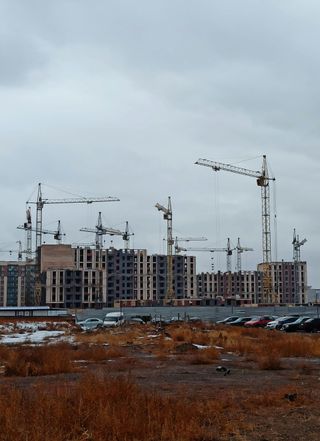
167	215
28	229
100	231
263	180
20	251
240	250
297	244
57	234
40	202
227	250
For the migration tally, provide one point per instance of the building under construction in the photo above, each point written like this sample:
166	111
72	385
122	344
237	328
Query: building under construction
89	278
289	282
93	276
83	277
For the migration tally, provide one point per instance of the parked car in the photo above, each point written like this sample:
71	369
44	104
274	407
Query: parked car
294	326
194	319
160	320
227	320
135	321
259	322
240	321
279	322
90	323
176	319
311	325
113	319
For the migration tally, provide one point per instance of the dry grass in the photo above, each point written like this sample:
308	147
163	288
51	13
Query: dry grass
28	361
33	361
185	333
204	356
245	341
101	408
117	409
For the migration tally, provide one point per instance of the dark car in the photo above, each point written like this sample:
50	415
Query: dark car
294	326
240	321
259	322
311	325
227	320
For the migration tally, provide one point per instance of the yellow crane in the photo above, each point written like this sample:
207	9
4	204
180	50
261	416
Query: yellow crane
263	179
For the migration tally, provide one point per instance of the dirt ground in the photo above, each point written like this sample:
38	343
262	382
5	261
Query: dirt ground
269	404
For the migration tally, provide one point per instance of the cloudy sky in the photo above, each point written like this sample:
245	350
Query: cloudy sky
120	98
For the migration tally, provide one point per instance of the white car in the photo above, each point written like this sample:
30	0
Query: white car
279	322
113	319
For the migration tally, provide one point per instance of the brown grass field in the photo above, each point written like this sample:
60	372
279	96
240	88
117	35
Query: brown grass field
144	384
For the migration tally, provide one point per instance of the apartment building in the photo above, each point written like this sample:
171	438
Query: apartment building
224	287
17	282
95	278
289	280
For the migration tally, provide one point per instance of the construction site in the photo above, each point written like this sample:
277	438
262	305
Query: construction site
63	275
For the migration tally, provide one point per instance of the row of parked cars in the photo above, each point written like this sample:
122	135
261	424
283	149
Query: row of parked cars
111	320
290	323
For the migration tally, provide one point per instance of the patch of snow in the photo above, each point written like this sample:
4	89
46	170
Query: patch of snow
35	337
200	346
218	347
153	335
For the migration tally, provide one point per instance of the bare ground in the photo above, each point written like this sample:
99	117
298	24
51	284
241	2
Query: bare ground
265	404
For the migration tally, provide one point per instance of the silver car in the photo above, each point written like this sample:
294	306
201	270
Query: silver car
90	323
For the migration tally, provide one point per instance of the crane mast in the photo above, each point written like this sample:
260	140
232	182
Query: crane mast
262	179
297	244
28	229
240	250
167	215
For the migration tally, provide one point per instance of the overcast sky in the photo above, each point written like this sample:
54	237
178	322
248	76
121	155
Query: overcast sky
121	98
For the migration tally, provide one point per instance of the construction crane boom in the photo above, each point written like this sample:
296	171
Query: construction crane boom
177	247
57	234
227	250
190	239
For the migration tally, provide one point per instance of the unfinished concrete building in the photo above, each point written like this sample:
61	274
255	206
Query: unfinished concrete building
289	280
88	277
225	287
